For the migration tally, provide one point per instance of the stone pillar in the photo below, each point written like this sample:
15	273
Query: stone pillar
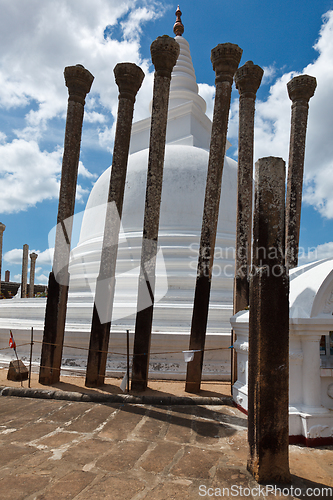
311	372
2	228
164	52
79	81
33	258
24	278
268	370
300	90
7	276
247	80
129	78
225	59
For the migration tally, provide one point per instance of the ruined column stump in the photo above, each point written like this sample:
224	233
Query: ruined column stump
300	90
129	78
268	370
33	258
247	80
79	81
225	59
164	53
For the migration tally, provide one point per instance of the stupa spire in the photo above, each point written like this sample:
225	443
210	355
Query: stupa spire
178	27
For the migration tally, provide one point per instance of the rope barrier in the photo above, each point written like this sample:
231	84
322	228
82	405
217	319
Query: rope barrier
124	354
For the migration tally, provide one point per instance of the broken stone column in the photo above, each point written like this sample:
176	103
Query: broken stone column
225	59
7	276
164	52
2	228
247	80
33	258
129	78
24	278
268	369
79	81
300	90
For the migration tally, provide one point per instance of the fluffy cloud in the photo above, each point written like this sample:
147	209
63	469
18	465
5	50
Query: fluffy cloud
272	124
38	40
324	251
27	174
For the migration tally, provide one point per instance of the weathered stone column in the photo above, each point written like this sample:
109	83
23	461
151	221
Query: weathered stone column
300	90
129	78
24	277
33	258
225	59
7	276
164	53
268	370
2	228
79	81
247	80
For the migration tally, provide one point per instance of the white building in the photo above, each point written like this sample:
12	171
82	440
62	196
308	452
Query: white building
310	354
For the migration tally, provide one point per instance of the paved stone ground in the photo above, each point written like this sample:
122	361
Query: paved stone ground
52	449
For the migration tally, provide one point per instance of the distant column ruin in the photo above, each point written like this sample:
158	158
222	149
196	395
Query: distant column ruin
79	81
164	52
247	80
2	228
300	90
24	278
33	258
268	366
225	59
129	78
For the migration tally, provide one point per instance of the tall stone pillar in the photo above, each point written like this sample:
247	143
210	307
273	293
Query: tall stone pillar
225	59
7	276
2	228
79	81
247	80
33	258
129	78
24	278
268	370
164	52
300	90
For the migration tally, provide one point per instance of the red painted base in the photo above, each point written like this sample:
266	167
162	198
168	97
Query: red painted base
310	443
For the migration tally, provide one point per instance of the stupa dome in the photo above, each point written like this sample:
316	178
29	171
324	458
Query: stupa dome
184	184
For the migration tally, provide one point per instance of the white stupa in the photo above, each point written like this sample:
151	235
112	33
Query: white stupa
184	182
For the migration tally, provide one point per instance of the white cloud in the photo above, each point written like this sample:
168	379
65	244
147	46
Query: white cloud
85	172
42	279
28	175
324	251
269	74
14	256
17	278
272	124
207	92
38	40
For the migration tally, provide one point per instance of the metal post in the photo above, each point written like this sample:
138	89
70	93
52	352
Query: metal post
31	344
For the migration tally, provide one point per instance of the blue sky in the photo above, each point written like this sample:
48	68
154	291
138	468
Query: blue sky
39	38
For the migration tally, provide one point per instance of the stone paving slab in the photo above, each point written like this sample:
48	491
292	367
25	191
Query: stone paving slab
56	449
